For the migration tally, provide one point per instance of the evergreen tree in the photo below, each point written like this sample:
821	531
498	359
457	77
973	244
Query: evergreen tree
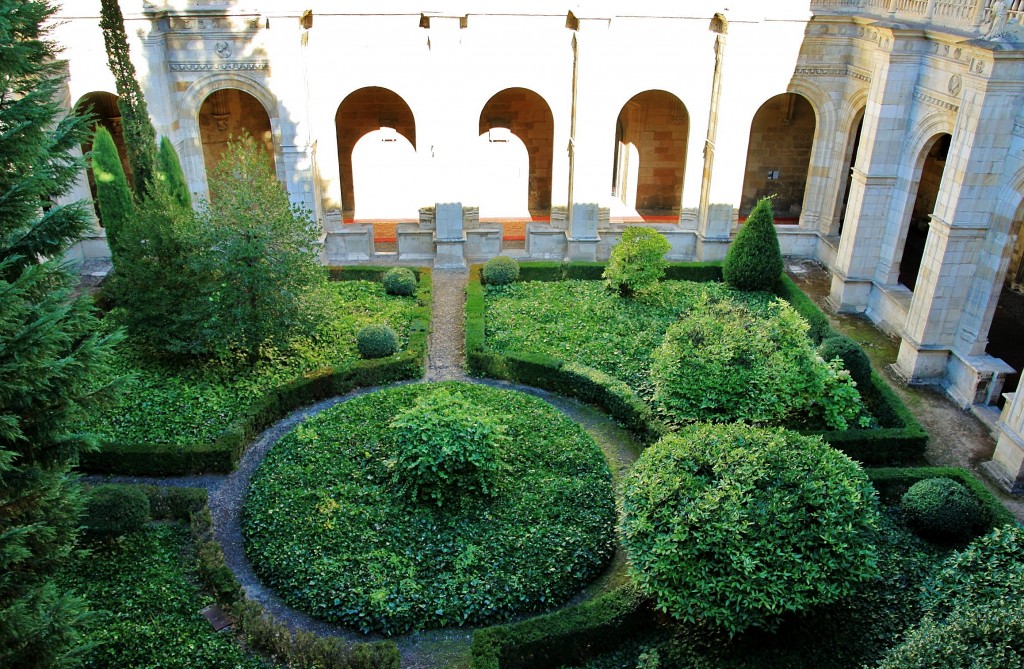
169	172
139	136
112	193
754	260
49	347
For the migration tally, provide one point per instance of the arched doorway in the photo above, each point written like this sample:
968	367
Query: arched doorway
502	175
228	113
105	112
934	162
650	154
523	113
368	110
384	179
1008	318
850	159
778	156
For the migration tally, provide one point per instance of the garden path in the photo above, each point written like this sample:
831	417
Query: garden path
446	356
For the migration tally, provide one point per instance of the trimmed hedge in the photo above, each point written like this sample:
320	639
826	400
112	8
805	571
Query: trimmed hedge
563	637
900	439
892	482
168	503
223	454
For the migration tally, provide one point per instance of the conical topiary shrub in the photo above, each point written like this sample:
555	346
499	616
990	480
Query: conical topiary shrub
168	169
754	261
112	194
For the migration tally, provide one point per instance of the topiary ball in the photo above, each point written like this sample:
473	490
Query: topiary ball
500	270
376	341
114	510
854	359
399	281
941	509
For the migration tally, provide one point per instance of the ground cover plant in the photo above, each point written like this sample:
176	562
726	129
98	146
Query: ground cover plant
142	590
168	403
330	527
644	341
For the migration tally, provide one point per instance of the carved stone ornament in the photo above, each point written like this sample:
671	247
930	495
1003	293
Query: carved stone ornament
223	49
955	84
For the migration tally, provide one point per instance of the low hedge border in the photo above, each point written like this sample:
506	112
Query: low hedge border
302	650
899	440
223	453
892	482
565	637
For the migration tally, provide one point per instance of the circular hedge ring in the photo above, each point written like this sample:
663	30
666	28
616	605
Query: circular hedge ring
331	526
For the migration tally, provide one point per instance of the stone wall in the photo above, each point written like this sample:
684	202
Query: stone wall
781	137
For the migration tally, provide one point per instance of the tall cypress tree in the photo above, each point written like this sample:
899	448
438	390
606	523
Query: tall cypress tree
112	193
169	171
139	136
50	351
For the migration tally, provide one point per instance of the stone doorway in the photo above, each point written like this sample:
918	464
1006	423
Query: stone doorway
924	204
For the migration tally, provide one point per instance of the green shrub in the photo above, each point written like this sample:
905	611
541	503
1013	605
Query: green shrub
376	341
637	262
723	362
169	172
445	448
820	328
740	525
500	270
943	510
854	359
754	260
399	281
113	196
973	615
115	510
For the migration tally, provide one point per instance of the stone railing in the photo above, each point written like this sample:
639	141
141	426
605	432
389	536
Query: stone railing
987	18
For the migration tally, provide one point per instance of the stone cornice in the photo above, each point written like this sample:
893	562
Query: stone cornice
210	67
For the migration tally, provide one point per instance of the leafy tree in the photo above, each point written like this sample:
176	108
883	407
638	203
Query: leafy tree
139	136
169	172
49	347
739	525
260	258
726	362
637	262
112	192
754	260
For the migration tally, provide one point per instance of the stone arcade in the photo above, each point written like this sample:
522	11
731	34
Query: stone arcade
890	131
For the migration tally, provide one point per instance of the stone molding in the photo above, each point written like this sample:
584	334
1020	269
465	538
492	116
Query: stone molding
928	98
209	67
831	71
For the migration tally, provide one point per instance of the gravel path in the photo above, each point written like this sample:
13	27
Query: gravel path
446	357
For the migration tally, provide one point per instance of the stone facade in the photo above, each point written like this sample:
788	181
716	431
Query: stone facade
866	118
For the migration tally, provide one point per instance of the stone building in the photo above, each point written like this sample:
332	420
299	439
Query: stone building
890	132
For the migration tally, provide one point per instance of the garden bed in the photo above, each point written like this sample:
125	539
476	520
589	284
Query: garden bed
330	526
576	338
176	420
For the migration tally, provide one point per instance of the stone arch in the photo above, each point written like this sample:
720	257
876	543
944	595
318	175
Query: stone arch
928	167
103	106
190	144
502	175
227	113
528	116
651	134
365	110
782	134
853	126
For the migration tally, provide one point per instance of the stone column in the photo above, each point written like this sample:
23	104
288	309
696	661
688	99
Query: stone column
890	98
449	236
1006	467
582	233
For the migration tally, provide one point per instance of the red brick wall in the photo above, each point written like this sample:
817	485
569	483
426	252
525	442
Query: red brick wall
529	118
660	130
364	111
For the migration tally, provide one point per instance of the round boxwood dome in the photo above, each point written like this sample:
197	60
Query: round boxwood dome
330	526
943	510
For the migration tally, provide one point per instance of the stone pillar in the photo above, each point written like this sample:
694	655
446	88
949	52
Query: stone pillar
582	233
713	233
449	236
890	98
956	279
1006	467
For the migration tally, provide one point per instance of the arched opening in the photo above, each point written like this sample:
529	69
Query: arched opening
650	155
852	146
502	175
1008	318
924	203
526	115
103	107
228	113
778	156
384	176
362	112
